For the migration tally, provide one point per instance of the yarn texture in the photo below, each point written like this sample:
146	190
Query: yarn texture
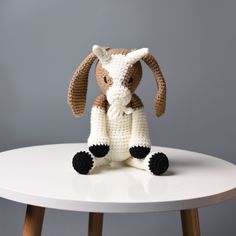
118	125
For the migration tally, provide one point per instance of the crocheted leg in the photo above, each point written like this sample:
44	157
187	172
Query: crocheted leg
155	163
84	162
101	162
134	162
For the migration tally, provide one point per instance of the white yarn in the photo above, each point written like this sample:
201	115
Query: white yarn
117	67
102	54
137	163
140	131
119	132
121	127
134	56
118	95
98	134
118	111
140	164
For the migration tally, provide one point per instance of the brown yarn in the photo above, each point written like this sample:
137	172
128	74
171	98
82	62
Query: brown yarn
123	51
78	86
136	102
101	76
100	101
135	73
160	98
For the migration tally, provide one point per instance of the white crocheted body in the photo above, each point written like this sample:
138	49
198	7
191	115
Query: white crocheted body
119	132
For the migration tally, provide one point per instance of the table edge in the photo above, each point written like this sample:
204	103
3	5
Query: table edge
116	207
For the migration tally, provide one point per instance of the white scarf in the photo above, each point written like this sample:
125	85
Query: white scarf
115	111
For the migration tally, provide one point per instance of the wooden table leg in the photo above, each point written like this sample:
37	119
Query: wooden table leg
95	224
190	222
33	221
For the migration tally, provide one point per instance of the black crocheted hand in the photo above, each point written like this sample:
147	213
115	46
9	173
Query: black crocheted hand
99	150
139	152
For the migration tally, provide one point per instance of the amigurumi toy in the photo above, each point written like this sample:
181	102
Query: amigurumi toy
119	129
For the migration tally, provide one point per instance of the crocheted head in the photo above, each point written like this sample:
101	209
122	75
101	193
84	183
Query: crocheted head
118	73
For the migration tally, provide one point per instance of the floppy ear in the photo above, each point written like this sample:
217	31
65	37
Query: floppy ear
78	86
160	98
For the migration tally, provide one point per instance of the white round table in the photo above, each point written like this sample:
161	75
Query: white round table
43	177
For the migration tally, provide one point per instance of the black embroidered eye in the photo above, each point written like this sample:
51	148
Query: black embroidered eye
130	80
105	79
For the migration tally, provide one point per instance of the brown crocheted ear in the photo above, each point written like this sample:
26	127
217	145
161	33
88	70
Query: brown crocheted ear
160	98
78	86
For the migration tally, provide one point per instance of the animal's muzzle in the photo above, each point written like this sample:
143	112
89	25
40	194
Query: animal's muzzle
118	95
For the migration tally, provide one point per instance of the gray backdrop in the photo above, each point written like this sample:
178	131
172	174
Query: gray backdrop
41	44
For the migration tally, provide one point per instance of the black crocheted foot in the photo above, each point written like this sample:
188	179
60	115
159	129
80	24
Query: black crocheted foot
158	163
139	152
82	162
100	150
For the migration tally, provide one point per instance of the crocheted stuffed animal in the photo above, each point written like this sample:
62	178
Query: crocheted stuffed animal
119	129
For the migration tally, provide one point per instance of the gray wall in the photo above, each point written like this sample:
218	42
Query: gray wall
42	42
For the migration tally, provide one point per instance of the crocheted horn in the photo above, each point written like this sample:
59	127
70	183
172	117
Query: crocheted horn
160	98
134	56
78	86
103	55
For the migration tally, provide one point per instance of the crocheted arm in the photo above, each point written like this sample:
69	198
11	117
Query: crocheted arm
98	140
139	144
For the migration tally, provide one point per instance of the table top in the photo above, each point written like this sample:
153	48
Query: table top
43	176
